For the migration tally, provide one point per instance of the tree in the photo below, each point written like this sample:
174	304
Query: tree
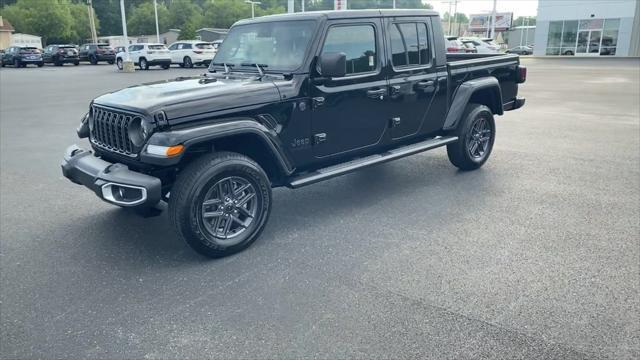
223	13
50	19
142	20
183	13
524	20
109	13
459	18
80	28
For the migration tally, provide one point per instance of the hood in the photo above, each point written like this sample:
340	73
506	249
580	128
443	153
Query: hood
183	97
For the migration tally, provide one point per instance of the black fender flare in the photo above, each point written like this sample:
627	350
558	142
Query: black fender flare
220	129
464	93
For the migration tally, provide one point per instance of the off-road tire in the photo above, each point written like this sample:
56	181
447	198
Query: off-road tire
459	152
191	187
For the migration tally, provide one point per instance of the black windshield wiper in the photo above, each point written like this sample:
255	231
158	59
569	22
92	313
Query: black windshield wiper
227	67
260	67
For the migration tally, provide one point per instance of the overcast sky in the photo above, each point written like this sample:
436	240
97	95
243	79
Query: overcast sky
517	7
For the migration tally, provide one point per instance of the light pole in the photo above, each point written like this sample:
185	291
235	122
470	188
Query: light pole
493	20
253	4
155	9
127	65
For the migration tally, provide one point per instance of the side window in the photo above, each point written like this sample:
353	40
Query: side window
187	46
173	46
180	46
409	44
358	42
132	48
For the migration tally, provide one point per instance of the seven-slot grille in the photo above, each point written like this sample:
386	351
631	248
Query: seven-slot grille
111	130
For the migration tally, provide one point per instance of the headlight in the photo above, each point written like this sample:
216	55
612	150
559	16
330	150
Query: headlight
139	130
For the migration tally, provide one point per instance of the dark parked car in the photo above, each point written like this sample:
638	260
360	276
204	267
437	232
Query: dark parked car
521	50
95	53
21	56
290	100
61	54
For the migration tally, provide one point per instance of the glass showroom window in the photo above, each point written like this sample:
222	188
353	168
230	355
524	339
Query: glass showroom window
555	38
569	34
610	37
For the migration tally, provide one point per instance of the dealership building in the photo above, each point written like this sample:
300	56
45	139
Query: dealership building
588	28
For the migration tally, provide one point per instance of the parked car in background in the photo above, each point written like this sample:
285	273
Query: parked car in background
21	56
520	50
469	48
216	44
1	56
119	49
191	52
491	43
145	55
454	45
95	53
61	54
480	46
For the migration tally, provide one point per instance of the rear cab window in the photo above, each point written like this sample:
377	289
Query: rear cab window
409	44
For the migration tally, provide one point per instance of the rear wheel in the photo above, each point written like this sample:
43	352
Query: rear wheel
476	133
93	60
187	62
76	63
110	62
40	64
220	203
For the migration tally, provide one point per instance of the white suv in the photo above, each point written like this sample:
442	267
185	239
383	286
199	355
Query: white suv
191	52
145	55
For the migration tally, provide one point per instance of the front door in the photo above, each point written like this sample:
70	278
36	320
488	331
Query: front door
349	113
412	77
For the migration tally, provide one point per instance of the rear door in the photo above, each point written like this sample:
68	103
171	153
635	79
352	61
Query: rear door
412	76
349	113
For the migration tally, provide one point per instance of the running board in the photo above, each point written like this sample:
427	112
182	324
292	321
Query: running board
353	165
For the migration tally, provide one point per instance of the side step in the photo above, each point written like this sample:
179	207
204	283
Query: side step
345	168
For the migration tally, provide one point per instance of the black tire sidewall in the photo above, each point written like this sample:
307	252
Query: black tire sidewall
457	152
480	110
189	196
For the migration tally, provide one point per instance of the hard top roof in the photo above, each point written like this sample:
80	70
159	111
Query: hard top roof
342	14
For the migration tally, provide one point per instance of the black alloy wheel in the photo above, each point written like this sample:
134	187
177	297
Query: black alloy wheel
478	138
476	133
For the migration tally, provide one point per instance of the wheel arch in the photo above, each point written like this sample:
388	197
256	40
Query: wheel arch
485	91
243	136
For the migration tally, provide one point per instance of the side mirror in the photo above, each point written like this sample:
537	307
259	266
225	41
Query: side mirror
333	65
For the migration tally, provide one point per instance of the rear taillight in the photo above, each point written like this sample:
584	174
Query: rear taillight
522	74
452	49
197	51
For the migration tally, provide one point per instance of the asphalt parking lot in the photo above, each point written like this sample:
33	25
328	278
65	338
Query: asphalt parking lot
536	255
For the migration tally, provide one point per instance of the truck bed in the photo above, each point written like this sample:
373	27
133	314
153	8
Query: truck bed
504	67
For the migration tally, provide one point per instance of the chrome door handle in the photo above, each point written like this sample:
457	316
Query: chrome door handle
376	93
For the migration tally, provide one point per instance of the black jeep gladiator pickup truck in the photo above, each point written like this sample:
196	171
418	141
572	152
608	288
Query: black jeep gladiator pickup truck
290	100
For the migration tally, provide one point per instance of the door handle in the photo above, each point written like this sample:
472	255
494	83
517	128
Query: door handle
424	84
376	93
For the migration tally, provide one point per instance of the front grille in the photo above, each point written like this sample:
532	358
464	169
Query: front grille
111	130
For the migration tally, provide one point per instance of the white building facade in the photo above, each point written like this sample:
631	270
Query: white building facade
588	28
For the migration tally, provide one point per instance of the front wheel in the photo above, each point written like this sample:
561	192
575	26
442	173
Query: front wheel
119	64
110	62
220	203
476	133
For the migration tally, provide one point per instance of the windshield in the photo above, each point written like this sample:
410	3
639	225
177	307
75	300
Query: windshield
279	46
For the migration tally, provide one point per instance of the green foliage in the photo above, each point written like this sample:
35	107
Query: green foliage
68	21
457	18
524	20
141	19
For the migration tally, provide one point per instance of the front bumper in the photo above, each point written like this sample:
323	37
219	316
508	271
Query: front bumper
112	182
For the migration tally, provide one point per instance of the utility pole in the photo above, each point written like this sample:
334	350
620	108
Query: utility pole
253	4
302	3
493	19
92	24
394	4
451	15
127	65
155	9
290	6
